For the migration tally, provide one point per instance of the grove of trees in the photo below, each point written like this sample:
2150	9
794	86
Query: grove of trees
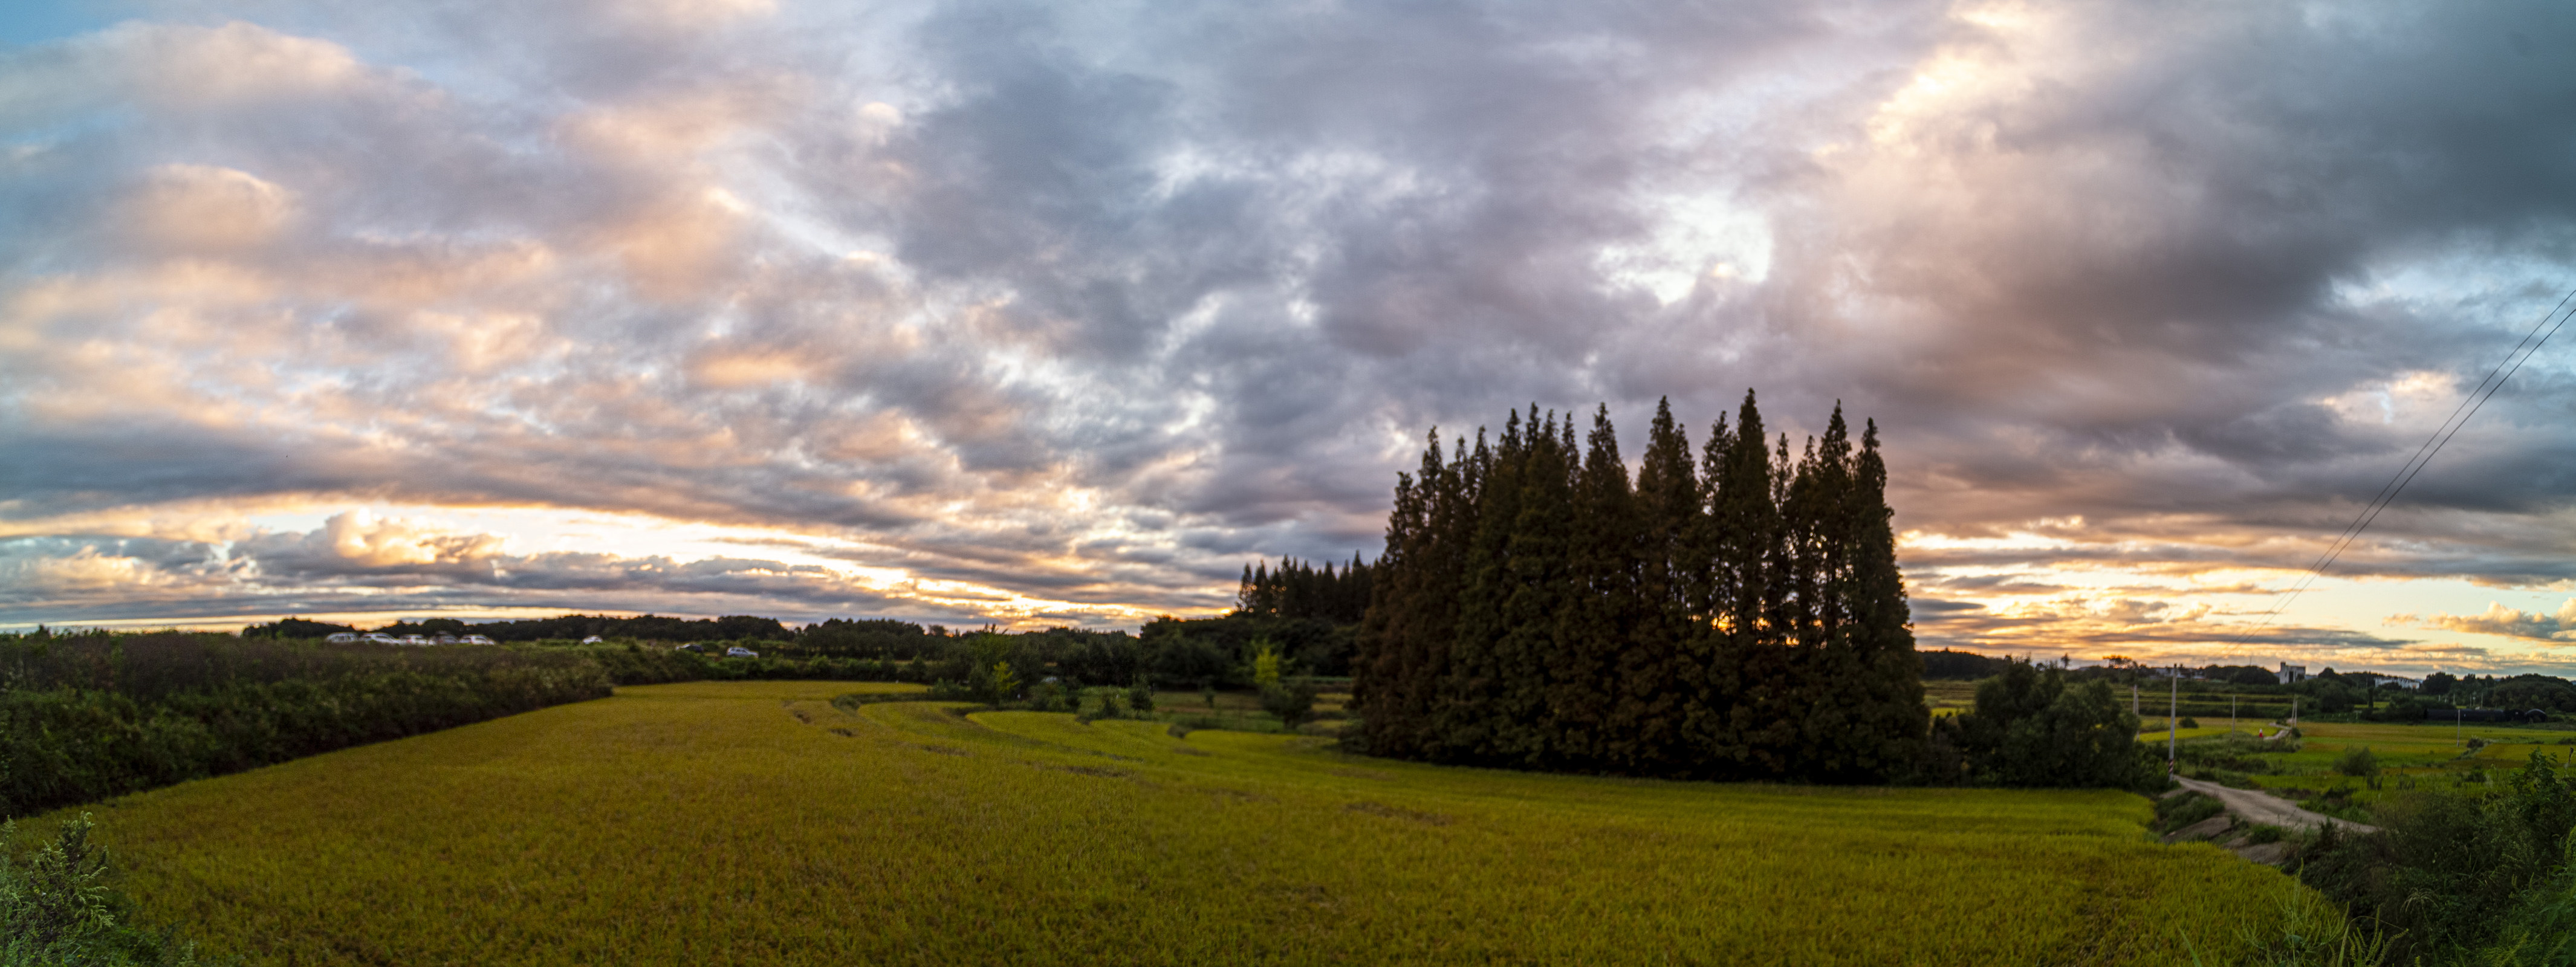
1734	616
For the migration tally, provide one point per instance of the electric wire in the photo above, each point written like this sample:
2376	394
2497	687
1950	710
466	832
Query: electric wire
2475	400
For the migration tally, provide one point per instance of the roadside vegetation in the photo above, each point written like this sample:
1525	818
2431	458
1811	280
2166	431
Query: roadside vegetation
59	907
751	821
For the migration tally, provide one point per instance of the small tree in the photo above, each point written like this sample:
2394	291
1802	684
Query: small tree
1140	695
2358	762
1293	701
1266	665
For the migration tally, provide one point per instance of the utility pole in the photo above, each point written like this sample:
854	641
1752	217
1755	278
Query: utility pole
2231	715
2133	696
2173	710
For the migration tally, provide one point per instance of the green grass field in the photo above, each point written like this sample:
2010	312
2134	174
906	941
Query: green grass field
2415	756
756	822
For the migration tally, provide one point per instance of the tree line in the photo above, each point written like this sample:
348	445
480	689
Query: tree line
1301	590
1736	616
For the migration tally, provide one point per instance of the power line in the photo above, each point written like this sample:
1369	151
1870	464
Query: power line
2468	407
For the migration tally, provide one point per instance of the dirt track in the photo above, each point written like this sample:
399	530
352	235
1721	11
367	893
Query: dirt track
2268	810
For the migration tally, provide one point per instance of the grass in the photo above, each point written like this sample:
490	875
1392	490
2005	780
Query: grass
2410	756
758	822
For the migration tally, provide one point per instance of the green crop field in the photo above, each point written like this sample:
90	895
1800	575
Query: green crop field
757	822
2414	756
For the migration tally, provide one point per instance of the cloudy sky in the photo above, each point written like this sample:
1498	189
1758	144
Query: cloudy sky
1045	313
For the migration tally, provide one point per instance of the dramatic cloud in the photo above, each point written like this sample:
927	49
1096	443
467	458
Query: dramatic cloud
2501	620
983	309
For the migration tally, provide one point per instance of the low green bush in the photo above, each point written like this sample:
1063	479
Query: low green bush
58	907
81	731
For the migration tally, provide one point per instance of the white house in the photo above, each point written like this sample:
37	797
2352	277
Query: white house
2291	674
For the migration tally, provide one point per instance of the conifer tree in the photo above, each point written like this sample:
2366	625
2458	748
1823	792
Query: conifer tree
1597	622
1881	623
1534	610
1518	728
1657	674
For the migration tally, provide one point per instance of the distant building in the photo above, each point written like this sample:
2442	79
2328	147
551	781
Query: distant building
2292	674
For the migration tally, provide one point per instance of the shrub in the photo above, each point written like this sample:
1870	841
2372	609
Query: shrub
2189	722
57	907
2358	762
1293	701
2029	728
1140	696
2448	872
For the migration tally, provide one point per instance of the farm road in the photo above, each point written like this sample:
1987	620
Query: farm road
2265	809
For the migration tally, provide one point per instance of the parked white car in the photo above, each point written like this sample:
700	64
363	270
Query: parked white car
592	640
343	638
417	640
479	640
739	651
380	638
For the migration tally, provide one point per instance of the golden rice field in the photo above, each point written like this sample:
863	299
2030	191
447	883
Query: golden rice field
725	823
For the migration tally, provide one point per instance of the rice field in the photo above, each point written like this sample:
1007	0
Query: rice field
757	822
2411	756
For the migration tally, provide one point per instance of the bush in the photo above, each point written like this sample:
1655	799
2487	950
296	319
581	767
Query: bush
1140	696
57	907
2448	873
2188	722
102	717
1293	700
2030	729
2357	762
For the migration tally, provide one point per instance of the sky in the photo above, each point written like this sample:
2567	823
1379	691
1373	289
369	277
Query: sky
1033	314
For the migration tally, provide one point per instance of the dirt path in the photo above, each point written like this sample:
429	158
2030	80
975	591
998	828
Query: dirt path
2268	810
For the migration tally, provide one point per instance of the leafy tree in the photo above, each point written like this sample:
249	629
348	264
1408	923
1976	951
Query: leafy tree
2030	729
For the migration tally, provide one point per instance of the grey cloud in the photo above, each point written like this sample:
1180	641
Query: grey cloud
1214	265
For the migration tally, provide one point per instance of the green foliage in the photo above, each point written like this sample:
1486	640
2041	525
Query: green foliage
93	718
2313	932
1140	695
2030	729
58	908
2357	762
2188	723
2452	873
1743	618
1293	700
1265	665
2178	811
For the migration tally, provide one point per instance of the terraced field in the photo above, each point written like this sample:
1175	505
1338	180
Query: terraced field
761	823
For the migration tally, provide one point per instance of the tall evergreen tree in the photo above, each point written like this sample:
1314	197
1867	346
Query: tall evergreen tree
1598	618
1534	610
1881	623
1655	672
